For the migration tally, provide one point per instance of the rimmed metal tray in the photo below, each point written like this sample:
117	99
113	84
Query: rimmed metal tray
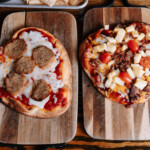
22	4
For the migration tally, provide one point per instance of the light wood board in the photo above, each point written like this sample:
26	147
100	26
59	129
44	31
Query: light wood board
104	119
16	128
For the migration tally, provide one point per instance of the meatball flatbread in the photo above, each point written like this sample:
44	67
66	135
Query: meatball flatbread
117	60
36	75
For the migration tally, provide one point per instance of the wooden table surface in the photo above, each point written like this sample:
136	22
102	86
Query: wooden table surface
82	140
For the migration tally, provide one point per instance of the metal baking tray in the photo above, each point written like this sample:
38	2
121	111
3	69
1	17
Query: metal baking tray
22	4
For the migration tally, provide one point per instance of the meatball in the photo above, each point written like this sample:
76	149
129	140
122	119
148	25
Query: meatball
15	48
40	90
43	56
24	65
14	83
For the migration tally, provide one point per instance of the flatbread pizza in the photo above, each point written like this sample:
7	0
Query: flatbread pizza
117	60
36	75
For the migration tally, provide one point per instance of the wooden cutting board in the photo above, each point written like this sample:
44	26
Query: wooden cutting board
19	129
104	119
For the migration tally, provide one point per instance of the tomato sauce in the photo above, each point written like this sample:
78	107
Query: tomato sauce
4	93
25	100
61	100
58	70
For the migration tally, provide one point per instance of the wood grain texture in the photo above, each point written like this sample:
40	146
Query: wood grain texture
19	129
104	119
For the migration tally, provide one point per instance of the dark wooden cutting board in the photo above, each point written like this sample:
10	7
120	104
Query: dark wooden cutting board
19	129
104	119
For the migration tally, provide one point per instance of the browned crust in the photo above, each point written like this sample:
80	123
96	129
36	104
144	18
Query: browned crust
34	111
86	66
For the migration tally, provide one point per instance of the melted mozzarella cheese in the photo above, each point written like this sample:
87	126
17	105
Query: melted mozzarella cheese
34	39
5	68
39	104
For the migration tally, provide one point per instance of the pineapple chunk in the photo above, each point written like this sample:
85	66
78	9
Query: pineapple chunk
140	84
138	72
113	74
130	28
106	27
111	48
147	52
127	38
117	29
124	47
136	65
112	86
142	53
100	48
135	33
147	72
137	58
120	35
111	40
148	36
111	63
108	83
141	36
131	73
118	81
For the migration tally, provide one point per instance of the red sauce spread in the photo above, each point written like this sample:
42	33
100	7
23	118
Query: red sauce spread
61	100
58	70
4	93
25	100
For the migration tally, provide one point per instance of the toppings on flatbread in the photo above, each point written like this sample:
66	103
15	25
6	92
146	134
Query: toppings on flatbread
43	56
15	48
24	65
34	79
40	90
15	83
117	60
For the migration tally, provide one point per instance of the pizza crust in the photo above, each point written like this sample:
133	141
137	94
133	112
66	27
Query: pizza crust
34	111
86	66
